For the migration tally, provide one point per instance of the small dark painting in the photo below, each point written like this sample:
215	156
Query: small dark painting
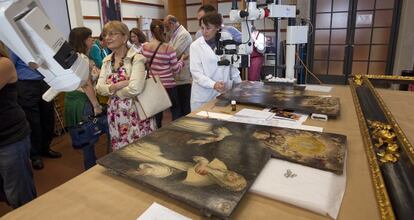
110	11
282	97
325	151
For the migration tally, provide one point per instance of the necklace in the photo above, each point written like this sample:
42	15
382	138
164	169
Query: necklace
121	63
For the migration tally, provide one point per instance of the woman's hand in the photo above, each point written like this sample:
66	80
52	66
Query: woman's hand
122	84
119	85
95	73
219	86
97	109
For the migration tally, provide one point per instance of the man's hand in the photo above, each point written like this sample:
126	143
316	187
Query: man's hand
33	66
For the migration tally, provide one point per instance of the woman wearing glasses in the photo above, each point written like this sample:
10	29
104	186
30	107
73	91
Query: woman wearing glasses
122	78
209	79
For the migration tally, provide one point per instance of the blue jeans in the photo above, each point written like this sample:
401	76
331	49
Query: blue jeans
16	177
86	136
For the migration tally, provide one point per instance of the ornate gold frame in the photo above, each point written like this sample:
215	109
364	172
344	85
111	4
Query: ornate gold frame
381	192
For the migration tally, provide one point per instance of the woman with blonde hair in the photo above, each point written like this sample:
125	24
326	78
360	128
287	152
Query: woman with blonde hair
122	78
16	177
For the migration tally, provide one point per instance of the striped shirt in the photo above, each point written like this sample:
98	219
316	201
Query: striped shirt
165	64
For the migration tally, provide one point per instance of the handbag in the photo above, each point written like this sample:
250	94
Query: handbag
87	132
154	98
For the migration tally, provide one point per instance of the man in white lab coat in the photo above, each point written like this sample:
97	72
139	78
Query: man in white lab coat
181	40
209	79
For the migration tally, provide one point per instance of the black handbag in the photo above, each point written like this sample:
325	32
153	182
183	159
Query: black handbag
87	132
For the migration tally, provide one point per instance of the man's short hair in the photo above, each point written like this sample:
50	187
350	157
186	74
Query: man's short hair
172	19
207	8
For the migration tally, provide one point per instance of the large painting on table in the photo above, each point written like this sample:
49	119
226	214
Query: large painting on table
207	164
210	164
283	97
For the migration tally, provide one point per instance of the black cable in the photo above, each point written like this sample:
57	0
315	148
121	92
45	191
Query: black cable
247	24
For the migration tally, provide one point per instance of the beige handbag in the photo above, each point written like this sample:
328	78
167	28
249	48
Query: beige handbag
154	98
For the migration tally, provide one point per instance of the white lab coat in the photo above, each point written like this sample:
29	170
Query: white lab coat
206	72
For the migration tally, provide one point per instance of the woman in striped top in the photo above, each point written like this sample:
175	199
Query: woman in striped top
165	64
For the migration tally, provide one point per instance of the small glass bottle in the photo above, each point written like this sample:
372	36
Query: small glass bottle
233	105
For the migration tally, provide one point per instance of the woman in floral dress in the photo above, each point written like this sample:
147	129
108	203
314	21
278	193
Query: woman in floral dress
122	78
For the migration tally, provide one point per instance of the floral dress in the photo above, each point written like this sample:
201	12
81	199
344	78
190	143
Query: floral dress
125	125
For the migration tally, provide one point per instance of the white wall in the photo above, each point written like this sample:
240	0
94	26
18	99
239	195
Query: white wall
58	13
128	10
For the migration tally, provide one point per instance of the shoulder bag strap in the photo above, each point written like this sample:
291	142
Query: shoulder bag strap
152	58
149	72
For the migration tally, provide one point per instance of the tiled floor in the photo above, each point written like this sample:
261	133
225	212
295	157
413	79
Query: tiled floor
58	171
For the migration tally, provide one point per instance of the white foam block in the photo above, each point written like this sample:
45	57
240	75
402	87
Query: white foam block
309	188
318	88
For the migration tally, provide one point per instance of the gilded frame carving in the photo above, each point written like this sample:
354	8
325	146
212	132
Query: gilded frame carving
365	96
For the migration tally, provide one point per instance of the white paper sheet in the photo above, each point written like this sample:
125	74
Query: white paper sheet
215	115
313	189
256	114
159	212
318	88
272	123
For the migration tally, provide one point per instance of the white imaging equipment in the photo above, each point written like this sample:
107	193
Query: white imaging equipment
27	31
296	34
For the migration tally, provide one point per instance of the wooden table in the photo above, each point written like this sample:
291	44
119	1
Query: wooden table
98	194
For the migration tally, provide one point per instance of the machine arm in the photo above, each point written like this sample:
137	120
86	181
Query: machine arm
28	32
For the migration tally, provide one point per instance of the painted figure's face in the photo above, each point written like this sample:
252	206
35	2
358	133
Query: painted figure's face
209	31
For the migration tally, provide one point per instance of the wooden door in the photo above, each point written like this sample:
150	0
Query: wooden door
353	37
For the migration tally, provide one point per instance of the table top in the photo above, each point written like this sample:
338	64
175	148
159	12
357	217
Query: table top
99	194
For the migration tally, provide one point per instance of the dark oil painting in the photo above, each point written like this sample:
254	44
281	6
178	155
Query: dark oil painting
205	163
210	164
325	151
283	97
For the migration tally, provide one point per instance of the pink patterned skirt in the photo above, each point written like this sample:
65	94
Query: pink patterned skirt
125	125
